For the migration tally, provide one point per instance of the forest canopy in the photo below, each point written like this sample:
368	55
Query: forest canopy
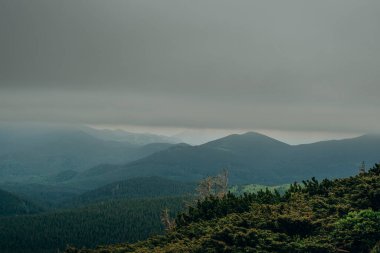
341	215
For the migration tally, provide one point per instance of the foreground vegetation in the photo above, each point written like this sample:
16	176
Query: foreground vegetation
341	215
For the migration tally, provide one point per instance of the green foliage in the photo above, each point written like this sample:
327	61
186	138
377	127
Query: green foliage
339	215
376	249
213	207
254	188
358	230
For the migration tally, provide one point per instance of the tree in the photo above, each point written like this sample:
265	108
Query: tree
216	186
167	221
358	231
221	184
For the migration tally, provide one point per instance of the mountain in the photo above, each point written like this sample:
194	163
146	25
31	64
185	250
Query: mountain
35	154
149	187
11	204
249	158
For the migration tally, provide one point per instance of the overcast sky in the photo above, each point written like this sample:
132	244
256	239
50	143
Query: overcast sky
273	65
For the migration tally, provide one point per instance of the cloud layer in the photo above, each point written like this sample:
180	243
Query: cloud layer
290	65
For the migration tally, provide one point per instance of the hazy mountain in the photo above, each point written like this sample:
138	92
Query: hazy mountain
250	158
35	153
10	204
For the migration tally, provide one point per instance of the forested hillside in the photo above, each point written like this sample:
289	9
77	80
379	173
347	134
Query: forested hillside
11	204
103	223
148	187
341	215
58	196
48	196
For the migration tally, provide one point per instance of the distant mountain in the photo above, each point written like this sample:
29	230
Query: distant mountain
11	204
33	154
149	187
250	158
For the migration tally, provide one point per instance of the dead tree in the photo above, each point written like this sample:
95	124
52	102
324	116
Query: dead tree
205	188
213	186
221	184
168	222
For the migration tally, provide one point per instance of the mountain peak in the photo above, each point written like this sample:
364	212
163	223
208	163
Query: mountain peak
254	134
247	139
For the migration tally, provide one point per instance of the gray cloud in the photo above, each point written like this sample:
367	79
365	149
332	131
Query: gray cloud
292	65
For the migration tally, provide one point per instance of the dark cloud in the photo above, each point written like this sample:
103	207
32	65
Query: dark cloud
294	65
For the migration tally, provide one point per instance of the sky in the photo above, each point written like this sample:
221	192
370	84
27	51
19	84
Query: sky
307	69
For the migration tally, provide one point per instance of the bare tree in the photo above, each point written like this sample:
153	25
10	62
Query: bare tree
205	188
216	186
168	222
221	184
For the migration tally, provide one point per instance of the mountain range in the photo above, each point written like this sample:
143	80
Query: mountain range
249	158
84	158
